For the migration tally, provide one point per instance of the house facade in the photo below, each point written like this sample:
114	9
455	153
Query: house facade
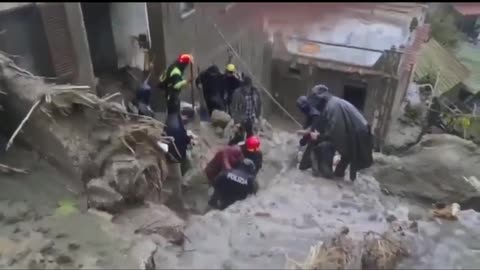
363	55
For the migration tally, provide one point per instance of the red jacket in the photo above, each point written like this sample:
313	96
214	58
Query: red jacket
224	159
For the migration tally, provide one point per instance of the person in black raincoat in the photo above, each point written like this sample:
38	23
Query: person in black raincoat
307	106
177	160
342	125
212	82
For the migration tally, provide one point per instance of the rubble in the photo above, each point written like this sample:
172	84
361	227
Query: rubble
63	121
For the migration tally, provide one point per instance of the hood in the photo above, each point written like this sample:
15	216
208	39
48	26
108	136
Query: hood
213	69
305	106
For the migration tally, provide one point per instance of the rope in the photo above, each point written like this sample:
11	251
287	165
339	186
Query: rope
254	78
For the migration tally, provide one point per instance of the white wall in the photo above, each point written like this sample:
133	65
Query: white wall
12	5
129	20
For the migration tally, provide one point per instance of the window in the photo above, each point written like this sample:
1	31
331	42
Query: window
186	9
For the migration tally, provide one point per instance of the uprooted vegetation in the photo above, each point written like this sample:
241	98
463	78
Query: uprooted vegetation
114	152
376	251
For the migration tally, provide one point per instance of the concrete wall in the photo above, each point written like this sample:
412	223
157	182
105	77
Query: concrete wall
196	34
13	6
78	33
128	21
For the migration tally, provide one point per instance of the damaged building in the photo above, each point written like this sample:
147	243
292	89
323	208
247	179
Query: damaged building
82	42
364	55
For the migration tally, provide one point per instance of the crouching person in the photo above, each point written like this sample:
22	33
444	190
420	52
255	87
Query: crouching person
225	159
251	150
234	185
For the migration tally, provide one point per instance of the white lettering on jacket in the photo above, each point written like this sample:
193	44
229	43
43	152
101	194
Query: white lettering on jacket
237	178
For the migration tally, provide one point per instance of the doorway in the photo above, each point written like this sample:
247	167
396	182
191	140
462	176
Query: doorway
355	94
98	25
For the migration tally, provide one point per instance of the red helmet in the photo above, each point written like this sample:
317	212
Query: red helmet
185	58
252	143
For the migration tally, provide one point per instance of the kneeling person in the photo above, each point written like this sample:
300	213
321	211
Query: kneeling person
234	185
251	150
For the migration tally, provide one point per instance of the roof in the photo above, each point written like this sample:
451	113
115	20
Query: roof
360	32
434	59
469	55
421	35
467	9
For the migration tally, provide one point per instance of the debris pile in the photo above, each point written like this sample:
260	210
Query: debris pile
382	251
375	252
118	152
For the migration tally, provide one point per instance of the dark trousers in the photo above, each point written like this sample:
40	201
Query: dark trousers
342	166
246	128
322	159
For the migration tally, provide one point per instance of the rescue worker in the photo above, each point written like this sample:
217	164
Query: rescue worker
251	150
310	116
143	99
343	127
225	159
177	159
211	81
231	83
172	80
234	185
245	109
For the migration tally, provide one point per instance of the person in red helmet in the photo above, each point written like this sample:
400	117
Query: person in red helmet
251	150
172	81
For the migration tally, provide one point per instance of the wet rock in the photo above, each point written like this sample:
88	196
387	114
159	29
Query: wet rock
102	196
154	219
433	170
143	252
402	134
125	173
73	246
373	217
61	235
64	259
13	212
37	261
220	119
391	218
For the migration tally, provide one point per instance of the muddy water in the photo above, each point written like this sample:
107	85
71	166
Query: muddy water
291	212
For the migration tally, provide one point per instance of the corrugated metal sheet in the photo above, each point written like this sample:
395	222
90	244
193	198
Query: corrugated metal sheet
469	55
59	40
434	58
347	29
468	9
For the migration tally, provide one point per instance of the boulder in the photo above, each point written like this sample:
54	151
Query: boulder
402	134
437	169
102	196
126	175
220	119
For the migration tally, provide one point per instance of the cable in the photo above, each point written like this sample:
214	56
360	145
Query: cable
250	73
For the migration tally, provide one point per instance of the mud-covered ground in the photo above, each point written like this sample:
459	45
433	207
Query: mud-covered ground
291	212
